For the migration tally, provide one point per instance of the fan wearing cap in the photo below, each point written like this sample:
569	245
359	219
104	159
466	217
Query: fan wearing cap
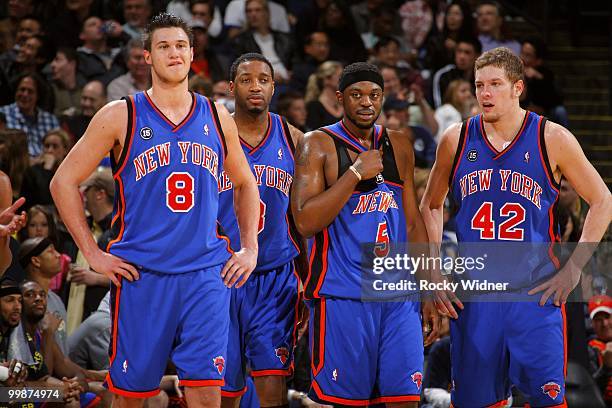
600	347
41	262
10	316
353	187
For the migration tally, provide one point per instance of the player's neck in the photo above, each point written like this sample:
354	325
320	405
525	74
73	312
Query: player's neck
506	127
167	95
364	135
251	124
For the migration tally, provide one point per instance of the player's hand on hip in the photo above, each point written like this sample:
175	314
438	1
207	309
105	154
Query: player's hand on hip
111	266
560	285
431	322
368	164
239	267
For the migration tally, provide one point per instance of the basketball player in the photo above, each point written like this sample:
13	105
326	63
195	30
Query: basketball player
503	169
264	311
353	186
168	264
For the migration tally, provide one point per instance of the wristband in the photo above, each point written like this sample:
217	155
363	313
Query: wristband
354	170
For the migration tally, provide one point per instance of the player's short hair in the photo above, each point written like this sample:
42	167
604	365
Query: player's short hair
360	71
504	58
165	20
248	57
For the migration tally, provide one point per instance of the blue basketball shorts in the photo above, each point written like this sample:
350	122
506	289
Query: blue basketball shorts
263	327
495	345
365	353
182	317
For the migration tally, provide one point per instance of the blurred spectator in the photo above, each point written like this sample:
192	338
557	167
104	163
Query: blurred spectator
138	77
35	186
64	29
492	31
88	345
337	22
96	59
209	14
458	101
458	23
67	84
600	347
569	217
136	14
17	9
316	51
541	94
14	157
179	8
29	58
25	113
417	21
236	17
276	46
221	93
10	314
200	85
93	97
87	288
321	102
42	262
387	52
398	117
41	224
437	380
52	362
381	26
362	13
206	64
29	26
466	52
291	105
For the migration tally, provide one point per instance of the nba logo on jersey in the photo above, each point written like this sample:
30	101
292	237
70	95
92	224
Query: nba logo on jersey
280	153
526	159
206	129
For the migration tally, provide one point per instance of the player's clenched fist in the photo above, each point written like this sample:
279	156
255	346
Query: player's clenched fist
369	164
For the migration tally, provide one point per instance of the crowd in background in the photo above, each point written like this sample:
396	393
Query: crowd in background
62	60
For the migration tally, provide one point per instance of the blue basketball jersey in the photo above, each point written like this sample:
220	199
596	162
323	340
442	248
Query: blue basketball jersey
373	215
166	201
273	165
507	196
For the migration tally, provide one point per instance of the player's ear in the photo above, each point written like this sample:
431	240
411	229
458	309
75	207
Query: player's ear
147	56
191	48
231	88
340	96
519	86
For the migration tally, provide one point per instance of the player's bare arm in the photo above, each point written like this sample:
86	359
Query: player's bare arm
432	206
105	132
567	158
313	206
416	231
246	204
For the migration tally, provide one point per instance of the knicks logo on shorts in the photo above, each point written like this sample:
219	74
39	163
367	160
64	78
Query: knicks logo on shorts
219	363
283	354
417	378
552	389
